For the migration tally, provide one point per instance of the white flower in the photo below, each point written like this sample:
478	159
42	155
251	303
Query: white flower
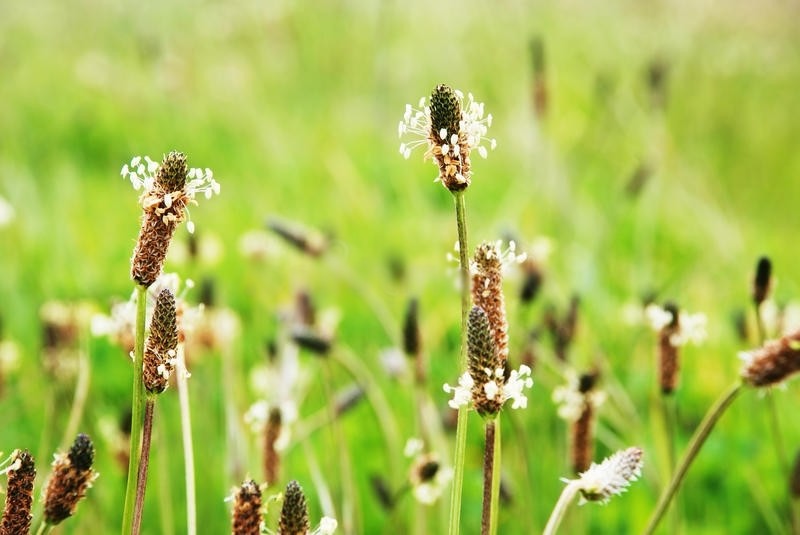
507	257
142	174
691	327
462	394
571	400
494	388
413	446
6	212
473	128
393	361
611	477
327	526
428	492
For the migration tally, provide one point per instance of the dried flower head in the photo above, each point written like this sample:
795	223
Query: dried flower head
451	128
160	351
487	269
691	327
247	518
428	478
168	189
72	476
773	363
19	494
310	242
611	477
497	387
272	457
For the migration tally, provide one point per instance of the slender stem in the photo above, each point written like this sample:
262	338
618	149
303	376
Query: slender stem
700	435
669	412
760	326
461	428
44	528
498	454
188	449
136	410
567	495
488	474
79	398
141	479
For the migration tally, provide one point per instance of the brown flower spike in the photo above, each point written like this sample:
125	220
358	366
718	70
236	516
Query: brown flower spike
161	346
772	364
668	352
247	510
71	477
19	494
487	293
583	427
483	361
294	513
272	457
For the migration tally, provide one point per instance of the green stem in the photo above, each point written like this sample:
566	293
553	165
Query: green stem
567	495
700	435
144	462
137	418
461	428
79	399
496	453
44	528
669	412
188	448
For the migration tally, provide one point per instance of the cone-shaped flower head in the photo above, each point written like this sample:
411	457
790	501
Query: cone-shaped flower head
168	190
71	477
247	518
294	513
773	363
485	384
451	129
161	348
603	481
762	282
19	494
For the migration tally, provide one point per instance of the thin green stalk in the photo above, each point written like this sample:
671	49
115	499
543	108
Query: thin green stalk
144	462
137	408
669	408
79	399
461	428
567	495
188	448
493	455
44	528
700	435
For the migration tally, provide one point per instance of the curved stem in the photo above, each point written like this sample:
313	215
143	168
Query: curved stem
136	410
461	428
567	495
44	528
141	478
700	435
188	448
79	398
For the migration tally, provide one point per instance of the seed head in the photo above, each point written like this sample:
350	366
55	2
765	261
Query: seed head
773	363
272	457
487	293
411	336
483	361
294	513
611	477
171	176
19	494
445	111
762	281
161	347
247	510
72	476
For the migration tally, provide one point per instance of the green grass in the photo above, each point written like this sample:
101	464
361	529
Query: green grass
295	109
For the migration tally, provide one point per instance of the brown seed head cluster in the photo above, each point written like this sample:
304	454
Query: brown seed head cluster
449	145
483	362
487	293
583	427
247	510
19	495
160	349
773	363
164	207
294	513
668	353
72	475
762	282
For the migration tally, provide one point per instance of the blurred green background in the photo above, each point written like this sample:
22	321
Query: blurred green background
294	105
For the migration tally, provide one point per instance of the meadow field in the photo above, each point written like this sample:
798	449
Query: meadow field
646	153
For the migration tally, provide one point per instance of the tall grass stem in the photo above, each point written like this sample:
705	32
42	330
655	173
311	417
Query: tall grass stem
188	447
461	426
567	495
144	462
137	408
700	435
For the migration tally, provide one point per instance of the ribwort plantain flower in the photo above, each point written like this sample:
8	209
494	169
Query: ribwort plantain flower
451	128
247	519
612	477
160	351
72	476
19	494
773	363
168	190
294	515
